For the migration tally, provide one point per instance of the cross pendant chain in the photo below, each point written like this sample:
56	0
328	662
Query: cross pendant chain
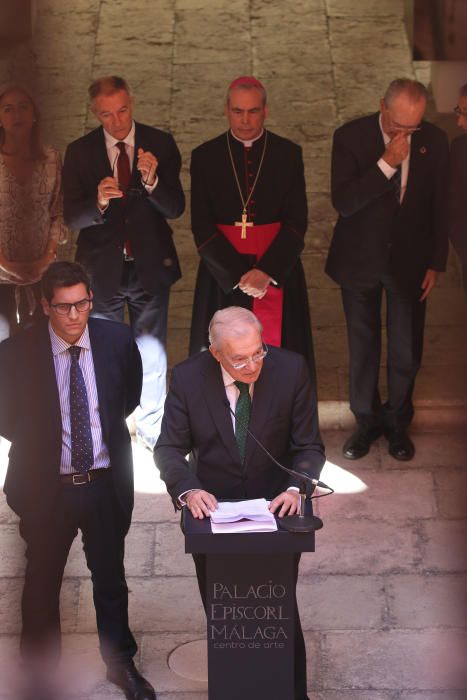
244	223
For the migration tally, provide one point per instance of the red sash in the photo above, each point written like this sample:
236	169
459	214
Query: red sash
269	308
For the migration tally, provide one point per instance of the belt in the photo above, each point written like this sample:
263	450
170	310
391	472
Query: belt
78	479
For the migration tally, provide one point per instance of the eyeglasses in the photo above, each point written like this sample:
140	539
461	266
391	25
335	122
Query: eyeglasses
63	309
460	112
400	127
254	358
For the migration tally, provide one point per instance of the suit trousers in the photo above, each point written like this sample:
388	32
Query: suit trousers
405	321
300	650
148	314
92	508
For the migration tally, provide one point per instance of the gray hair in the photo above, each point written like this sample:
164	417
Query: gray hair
247	86
233	321
412	88
463	91
107	85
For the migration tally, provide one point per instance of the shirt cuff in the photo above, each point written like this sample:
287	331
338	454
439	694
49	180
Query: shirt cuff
294	488
387	169
182	497
150	188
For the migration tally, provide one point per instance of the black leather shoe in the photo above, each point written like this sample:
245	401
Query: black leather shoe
127	677
400	445
358	444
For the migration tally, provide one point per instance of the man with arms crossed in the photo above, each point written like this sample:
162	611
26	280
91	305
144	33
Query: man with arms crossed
239	373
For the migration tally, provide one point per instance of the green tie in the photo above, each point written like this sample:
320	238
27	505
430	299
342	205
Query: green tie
242	416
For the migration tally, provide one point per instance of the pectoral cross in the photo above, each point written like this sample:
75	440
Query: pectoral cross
244	223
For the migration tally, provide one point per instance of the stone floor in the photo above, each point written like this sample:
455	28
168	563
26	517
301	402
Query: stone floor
384	597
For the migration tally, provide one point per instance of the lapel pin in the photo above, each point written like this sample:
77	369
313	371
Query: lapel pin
423	150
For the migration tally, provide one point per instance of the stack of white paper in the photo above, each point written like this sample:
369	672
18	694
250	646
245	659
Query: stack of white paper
243	516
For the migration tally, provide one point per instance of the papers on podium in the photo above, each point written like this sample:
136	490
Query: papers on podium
243	516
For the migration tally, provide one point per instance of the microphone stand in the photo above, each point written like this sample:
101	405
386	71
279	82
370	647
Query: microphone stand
302	522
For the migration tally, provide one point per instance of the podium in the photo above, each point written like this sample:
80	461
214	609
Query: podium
250	596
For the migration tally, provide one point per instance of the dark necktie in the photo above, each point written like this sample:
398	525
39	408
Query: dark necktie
397	182
82	457
123	168
242	416
124	179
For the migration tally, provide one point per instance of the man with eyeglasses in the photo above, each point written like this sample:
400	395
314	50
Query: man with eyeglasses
388	186
67	385
121	183
214	397
458	185
249	219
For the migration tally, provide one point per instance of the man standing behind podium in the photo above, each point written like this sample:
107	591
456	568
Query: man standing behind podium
213	397
249	218
121	182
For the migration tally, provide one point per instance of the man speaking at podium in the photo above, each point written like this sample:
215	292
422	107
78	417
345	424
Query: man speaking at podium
214	397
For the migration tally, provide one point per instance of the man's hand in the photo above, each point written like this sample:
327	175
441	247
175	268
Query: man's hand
429	281
255	283
107	189
147	165
200	503
289	502
397	150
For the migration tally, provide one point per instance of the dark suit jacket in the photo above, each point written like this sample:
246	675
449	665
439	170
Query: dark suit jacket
458	196
30	414
142	220
197	420
375	235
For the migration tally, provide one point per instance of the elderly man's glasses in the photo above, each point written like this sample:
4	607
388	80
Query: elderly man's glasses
460	112
254	358
63	308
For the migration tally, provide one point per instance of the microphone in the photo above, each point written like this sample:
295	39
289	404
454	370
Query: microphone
300	522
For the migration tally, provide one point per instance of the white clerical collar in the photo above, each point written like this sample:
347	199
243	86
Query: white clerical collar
129	139
247	144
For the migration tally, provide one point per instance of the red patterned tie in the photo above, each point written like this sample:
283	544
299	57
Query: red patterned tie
124	179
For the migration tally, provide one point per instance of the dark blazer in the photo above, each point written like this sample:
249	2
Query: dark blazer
197	420
458	196
375	235
30	414
142	220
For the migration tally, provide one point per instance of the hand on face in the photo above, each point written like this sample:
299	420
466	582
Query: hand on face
397	149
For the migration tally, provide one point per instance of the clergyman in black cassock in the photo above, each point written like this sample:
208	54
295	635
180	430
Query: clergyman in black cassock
268	169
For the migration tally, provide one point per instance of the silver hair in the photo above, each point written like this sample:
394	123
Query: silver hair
248	86
233	321
412	88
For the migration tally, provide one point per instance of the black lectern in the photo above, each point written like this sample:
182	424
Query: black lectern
250	609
